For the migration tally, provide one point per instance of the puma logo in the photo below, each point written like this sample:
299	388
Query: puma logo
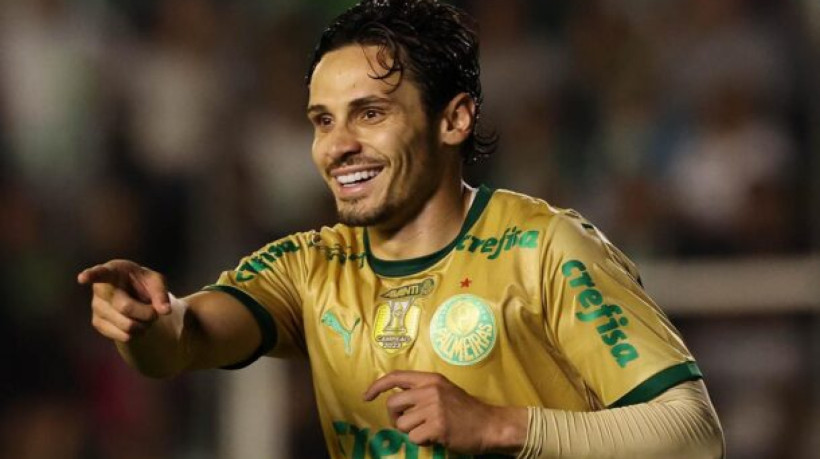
330	319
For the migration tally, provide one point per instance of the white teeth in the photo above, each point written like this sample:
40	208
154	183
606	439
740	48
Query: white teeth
348	179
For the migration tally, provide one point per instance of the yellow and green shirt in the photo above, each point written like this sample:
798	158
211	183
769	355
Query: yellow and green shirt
529	306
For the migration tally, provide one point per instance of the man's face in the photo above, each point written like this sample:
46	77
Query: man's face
373	143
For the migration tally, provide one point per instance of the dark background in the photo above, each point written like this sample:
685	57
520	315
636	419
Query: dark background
173	133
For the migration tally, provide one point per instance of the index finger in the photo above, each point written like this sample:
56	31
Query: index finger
96	274
399	379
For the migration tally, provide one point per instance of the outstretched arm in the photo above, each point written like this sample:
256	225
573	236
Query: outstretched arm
160	335
680	423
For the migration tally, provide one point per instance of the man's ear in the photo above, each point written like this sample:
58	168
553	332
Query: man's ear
457	120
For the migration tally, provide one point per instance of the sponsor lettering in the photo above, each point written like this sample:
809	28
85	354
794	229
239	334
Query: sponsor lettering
609	319
359	443
263	260
336	252
493	247
419	289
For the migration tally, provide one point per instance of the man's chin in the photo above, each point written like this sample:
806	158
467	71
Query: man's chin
359	218
352	215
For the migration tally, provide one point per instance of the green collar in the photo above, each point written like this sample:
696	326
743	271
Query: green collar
399	268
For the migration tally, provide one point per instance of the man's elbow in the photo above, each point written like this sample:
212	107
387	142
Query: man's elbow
155	368
714	443
703	423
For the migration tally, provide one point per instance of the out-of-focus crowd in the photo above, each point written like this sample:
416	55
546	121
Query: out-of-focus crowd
173	132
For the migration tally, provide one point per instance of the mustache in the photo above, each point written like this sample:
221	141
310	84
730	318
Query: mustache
354	161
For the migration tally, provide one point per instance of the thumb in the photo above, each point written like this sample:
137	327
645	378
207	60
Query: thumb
158	294
151	286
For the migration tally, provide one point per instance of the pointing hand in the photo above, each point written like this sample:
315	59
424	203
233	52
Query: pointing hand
127	298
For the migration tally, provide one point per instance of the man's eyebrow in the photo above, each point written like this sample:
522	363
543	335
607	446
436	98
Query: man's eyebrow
353	105
315	108
368	100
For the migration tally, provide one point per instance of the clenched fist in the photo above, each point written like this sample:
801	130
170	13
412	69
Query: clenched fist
433	410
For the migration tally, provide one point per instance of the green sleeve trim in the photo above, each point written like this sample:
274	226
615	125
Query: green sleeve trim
267	326
400	268
658	384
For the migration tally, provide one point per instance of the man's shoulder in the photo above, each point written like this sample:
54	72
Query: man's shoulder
518	206
336	234
560	225
337	238
339	243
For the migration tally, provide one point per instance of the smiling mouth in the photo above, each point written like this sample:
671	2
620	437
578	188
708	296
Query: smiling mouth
358	177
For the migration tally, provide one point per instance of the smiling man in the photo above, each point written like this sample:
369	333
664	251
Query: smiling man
439	319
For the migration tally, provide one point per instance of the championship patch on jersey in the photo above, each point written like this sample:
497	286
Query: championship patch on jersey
463	330
396	322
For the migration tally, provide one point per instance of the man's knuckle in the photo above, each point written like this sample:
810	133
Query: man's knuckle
402	424
125	307
129	326
99	289
417	437
438	418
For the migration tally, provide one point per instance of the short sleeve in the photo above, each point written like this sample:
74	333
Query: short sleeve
266	283
617	339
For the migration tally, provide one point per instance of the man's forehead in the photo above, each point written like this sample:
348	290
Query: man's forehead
349	73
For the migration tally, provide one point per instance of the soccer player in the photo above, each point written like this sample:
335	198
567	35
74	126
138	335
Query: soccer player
438	318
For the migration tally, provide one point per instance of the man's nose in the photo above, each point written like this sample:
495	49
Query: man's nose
343	142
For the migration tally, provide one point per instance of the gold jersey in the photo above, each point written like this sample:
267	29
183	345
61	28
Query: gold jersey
529	306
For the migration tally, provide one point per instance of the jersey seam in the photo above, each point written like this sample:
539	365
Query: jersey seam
659	383
545	299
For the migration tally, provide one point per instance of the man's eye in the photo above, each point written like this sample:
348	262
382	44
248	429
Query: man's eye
371	114
324	120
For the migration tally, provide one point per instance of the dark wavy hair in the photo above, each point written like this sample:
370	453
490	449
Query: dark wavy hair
437	44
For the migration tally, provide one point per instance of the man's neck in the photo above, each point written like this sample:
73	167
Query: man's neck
436	225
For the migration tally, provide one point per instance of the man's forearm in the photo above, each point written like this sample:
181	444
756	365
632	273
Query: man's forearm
681	423
162	351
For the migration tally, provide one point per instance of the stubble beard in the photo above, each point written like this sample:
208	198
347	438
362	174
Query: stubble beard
349	214
395	207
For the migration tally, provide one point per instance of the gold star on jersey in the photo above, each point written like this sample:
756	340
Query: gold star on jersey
528	305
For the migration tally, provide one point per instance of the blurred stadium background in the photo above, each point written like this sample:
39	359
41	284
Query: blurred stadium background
173	132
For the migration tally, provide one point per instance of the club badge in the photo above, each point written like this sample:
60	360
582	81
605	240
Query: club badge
463	330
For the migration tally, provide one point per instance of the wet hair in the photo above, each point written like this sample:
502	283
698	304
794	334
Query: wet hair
437	44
